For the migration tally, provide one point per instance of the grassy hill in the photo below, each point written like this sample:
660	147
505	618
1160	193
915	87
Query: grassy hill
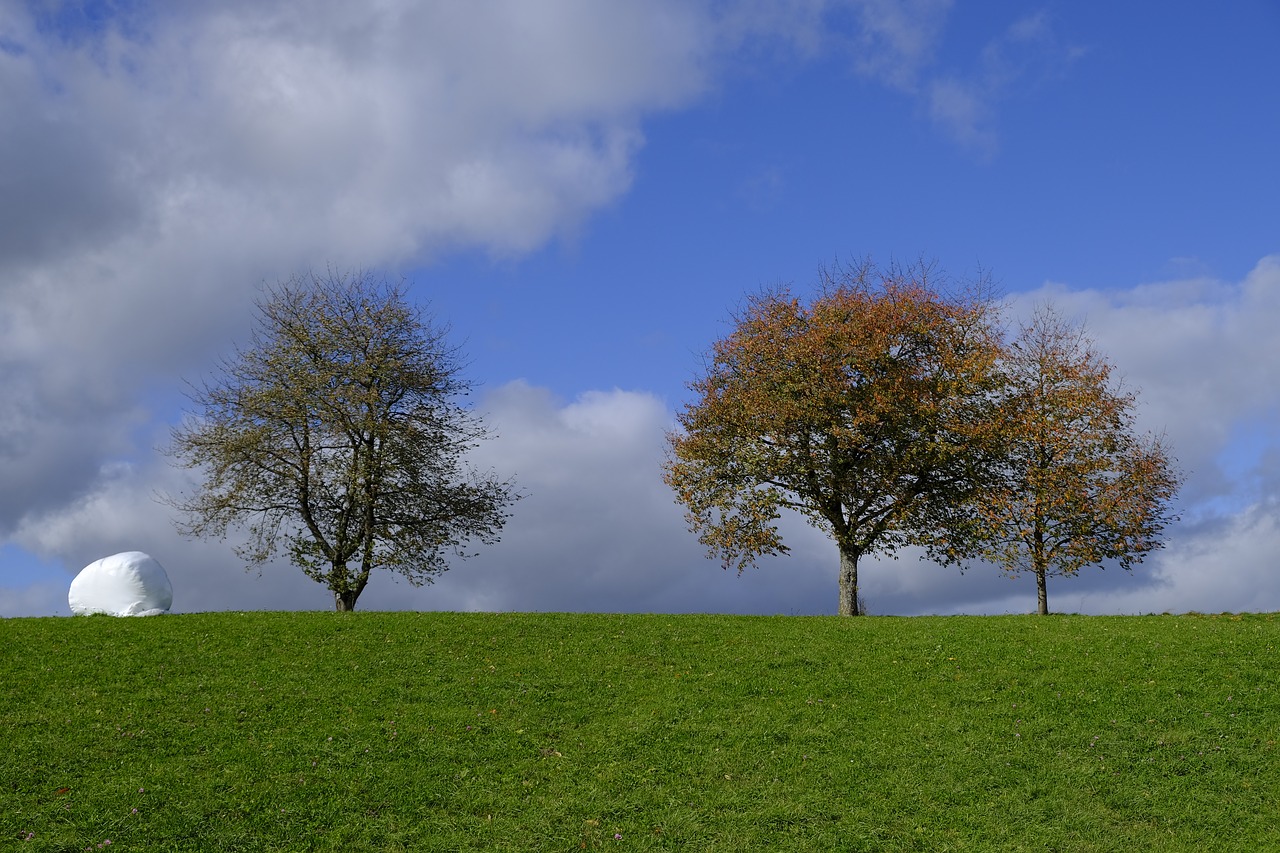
438	731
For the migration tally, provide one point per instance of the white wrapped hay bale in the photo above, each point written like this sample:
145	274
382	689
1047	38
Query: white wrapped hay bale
128	584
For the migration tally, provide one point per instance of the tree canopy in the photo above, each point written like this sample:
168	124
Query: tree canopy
338	435
870	411
1078	485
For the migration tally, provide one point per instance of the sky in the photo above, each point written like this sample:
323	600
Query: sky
584	190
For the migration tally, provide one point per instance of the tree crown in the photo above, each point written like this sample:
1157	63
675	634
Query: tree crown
867	410
338	435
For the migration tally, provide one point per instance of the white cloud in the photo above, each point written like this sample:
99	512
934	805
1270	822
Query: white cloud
122	513
898	40
384	132
1229	565
599	530
177	159
965	111
1201	353
900	45
599	520
171	164
182	155
1015	62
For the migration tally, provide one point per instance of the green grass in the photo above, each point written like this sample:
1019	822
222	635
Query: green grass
434	731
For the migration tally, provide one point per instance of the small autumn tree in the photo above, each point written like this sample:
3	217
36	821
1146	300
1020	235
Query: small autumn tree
337	435
869	411
1079	487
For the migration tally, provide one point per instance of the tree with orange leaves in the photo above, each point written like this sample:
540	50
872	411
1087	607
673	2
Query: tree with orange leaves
1079	486
871	411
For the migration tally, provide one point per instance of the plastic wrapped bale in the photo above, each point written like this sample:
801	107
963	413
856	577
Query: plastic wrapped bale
127	584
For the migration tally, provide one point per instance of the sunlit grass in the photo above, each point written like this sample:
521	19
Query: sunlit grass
434	731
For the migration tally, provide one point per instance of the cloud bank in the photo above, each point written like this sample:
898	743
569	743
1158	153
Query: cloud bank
598	530
175	155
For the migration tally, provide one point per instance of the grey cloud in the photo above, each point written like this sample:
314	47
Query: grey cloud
179	156
173	163
42	470
176	156
1224	564
123	513
598	530
66	173
70	195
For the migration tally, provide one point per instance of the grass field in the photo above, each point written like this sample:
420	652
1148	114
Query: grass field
436	731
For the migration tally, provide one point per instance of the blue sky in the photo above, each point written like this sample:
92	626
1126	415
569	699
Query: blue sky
584	190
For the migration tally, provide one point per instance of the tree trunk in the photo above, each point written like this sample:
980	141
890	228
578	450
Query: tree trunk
849	604
1042	591
345	588
1040	564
